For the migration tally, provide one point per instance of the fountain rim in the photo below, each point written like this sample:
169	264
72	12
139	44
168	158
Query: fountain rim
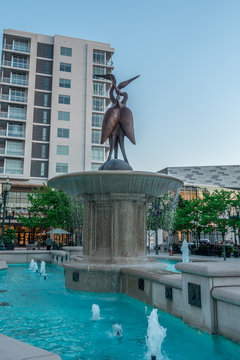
115	172
77	177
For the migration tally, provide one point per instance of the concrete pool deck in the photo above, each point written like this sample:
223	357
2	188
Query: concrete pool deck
11	349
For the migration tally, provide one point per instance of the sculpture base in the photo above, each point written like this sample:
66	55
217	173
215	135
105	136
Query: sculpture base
115	164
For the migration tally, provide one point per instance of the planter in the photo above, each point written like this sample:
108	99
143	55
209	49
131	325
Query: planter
9	246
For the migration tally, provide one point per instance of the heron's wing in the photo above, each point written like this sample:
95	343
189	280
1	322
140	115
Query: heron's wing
110	121
126	123
125	83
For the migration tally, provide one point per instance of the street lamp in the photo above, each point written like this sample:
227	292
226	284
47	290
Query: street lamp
6	187
156	211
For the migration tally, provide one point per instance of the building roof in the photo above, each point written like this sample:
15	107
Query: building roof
225	176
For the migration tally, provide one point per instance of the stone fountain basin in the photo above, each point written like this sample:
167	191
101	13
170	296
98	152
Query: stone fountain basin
103	182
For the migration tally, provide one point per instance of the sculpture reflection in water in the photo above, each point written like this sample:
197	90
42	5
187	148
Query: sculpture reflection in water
117	122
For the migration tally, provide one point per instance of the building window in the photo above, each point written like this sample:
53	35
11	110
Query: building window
97	153
45	116
16	130
17	112
62	150
97	120
48	68
21	45
45	100
64	99
46	83
64	115
98	104
99	57
66	51
61	168
15	148
96	136
97	70
42	169
13	166
94	167
44	134
98	88
65	67
66	83
43	151
63	133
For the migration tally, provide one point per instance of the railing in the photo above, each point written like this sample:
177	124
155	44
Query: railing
1	169
14	81
16	98
15	115
4	151
15	47
14	133
14	152
16	64
13	171
3	132
103	62
98	108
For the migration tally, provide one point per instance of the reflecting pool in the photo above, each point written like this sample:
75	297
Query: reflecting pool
43	313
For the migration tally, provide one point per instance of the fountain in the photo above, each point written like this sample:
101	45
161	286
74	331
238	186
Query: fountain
95	312
185	252
43	269
31	265
35	267
155	336
115	203
117	330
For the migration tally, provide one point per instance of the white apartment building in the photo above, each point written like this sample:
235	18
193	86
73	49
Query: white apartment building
51	107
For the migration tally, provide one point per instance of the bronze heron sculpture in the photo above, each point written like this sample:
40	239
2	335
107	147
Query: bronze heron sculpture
118	119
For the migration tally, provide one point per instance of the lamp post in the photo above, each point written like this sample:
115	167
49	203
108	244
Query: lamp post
6	186
156	212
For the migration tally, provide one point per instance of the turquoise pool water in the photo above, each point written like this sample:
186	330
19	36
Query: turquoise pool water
170	265
43	313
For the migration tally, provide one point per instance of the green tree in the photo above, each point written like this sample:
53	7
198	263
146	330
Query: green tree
189	216
49	208
215	211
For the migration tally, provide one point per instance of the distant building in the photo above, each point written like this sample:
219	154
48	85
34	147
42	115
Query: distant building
51	108
198	179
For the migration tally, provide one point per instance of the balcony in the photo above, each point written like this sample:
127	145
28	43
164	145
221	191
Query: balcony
103	62
15	133
12	115
16	64
15	98
12	133
14	81
17	47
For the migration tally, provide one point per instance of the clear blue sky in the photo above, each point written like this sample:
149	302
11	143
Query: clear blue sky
186	103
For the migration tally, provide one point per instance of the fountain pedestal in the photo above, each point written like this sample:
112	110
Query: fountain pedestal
114	229
114	226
